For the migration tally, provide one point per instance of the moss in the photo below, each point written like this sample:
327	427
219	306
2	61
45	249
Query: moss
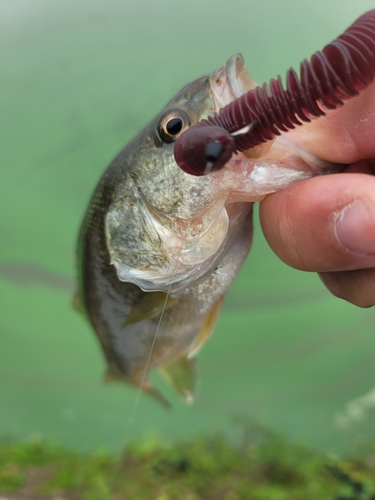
263	467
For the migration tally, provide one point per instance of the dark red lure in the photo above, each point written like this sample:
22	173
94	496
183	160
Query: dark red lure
340	71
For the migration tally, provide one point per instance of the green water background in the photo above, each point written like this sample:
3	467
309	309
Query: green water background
78	79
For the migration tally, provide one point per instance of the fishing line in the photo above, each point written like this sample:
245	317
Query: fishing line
139	392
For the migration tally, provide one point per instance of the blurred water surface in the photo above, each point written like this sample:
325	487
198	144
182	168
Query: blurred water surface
78	79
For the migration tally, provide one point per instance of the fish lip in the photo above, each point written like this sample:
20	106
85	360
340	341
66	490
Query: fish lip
237	77
230	82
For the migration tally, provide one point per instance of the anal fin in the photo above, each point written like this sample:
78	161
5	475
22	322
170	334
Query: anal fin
182	374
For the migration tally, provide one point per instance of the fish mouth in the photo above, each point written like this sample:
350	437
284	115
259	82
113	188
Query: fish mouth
230	82
251	175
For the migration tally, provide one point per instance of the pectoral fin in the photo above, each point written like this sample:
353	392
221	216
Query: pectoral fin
182	374
151	304
207	328
77	304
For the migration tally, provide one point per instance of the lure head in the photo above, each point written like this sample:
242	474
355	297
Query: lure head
202	150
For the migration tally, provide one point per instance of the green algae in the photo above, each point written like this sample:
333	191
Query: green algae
262	466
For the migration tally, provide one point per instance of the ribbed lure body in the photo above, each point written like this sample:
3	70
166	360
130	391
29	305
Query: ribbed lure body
340	71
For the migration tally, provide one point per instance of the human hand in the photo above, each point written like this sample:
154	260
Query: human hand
327	224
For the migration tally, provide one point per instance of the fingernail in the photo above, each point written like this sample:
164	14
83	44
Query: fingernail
355	228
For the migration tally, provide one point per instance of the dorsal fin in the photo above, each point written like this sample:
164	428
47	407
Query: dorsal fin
112	375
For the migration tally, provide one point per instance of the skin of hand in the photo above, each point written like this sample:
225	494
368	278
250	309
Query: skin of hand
327	224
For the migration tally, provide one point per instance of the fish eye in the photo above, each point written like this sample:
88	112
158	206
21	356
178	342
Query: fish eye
172	124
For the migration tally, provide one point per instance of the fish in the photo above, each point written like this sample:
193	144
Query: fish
158	248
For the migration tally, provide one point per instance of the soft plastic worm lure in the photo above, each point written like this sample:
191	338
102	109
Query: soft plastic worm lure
340	71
